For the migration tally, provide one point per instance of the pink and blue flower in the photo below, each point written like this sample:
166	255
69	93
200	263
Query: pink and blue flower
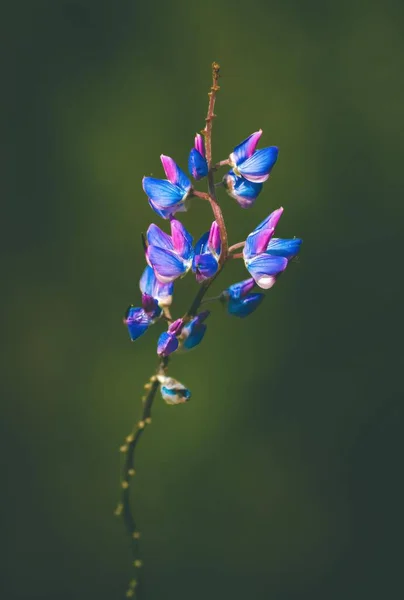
197	164
254	165
168	196
170	256
266	257
207	253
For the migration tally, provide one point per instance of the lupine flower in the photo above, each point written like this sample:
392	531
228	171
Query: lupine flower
173	391
197	165
170	256
240	303
243	191
151	286
137	322
168	341
254	165
260	262
192	333
206	254
168	196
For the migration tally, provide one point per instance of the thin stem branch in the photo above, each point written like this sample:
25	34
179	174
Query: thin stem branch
236	246
128	472
202	195
221	163
208	145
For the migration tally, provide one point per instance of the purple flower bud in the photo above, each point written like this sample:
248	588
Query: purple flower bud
167	344
151	306
176	327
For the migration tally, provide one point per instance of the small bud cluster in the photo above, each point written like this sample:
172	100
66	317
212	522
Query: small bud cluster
170	256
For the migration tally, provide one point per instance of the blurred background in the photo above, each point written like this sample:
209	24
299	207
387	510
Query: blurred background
281	478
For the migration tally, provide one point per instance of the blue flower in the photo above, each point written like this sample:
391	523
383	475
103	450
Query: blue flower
151	286
170	256
168	196
206	254
254	165
192	333
172	391
264	265
137	322
197	164
240	303
243	191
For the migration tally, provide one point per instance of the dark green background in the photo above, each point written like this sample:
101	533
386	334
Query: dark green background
282	478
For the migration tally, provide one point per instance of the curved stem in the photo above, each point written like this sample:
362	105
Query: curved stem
128	472
236	246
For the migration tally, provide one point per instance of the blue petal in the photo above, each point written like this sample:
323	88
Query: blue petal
197	165
246	148
183	181
165	213
149	284
243	191
258	240
258	166
156	237
245	306
240	289
205	266
265	267
283	247
163	193
167	344
166	264
202	244
137	322
195	336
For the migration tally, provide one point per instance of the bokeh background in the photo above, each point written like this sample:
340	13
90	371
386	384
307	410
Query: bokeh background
282	478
